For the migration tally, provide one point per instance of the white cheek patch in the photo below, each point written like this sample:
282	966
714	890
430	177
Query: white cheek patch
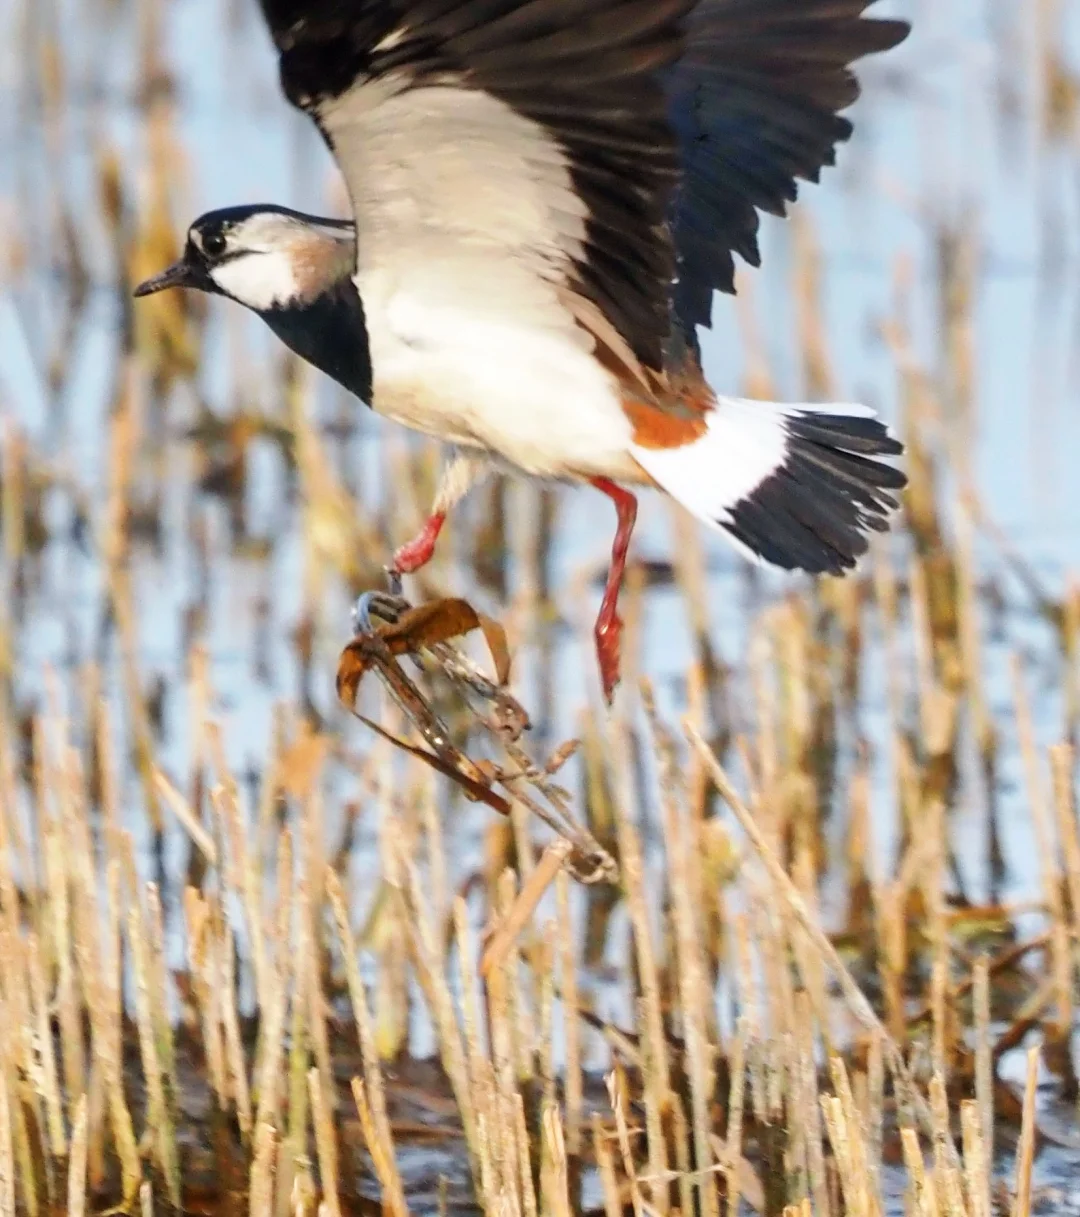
259	279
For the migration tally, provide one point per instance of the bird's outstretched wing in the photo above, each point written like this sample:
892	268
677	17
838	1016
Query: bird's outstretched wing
530	136
755	101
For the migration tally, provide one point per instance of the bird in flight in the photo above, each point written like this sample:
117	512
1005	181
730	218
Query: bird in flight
545	195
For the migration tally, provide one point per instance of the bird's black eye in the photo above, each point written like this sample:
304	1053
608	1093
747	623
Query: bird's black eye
213	243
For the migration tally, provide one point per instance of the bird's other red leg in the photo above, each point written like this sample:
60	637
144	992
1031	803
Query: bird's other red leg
608	622
417	552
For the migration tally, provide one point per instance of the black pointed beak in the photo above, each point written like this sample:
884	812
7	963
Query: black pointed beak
180	274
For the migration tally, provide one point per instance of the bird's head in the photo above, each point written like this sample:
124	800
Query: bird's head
263	257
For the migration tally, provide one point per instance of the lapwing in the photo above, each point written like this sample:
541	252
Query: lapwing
546	195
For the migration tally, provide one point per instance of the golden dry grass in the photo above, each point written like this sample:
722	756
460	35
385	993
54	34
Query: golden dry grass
753	1005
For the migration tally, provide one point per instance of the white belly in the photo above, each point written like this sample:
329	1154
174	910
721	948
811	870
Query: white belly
532	393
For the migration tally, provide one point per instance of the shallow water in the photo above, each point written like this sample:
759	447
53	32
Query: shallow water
949	140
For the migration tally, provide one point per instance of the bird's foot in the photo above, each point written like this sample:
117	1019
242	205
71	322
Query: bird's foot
417	552
373	609
608	635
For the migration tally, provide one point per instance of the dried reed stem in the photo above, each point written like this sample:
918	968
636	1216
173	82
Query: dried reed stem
605	1165
984	1071
654	1042
325	1144
925	1202
733	1146
54	1111
1025	1155
261	1189
694	992
382	1151
365	1030
76	1192
976	1163
187	817
1044	839
268	1065
617	1093
554	1180
234	1048
571	1024
7	1152
158	1111
523	907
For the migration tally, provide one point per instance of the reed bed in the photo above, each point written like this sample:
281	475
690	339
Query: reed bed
267	1075
255	958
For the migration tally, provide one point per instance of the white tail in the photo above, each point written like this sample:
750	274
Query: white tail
794	486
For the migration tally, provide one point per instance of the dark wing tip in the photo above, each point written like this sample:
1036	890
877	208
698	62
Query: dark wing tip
757	104
884	33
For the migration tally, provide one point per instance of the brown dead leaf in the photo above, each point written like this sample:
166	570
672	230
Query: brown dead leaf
427	626
418	628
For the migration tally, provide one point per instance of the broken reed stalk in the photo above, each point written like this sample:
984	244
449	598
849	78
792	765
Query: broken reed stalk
1025	1154
373	1092
381	1149
617	1095
1047	847
948	1176
571	1022
325	1144
654	1042
299	1111
924	1203
605	1165
261	1182
550	1149
984	1068
977	1163
7	1148
1062	766
234	1048
76	1190
524	905
158	1112
733	1143
554	1180
694	994
804	1099
268	1062
54	1111
159	1006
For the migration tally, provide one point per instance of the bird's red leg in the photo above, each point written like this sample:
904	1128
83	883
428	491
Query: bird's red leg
608	622
417	552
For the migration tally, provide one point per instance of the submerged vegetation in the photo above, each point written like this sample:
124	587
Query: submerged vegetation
795	930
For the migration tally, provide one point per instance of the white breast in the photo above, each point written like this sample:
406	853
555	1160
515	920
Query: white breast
502	370
468	227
